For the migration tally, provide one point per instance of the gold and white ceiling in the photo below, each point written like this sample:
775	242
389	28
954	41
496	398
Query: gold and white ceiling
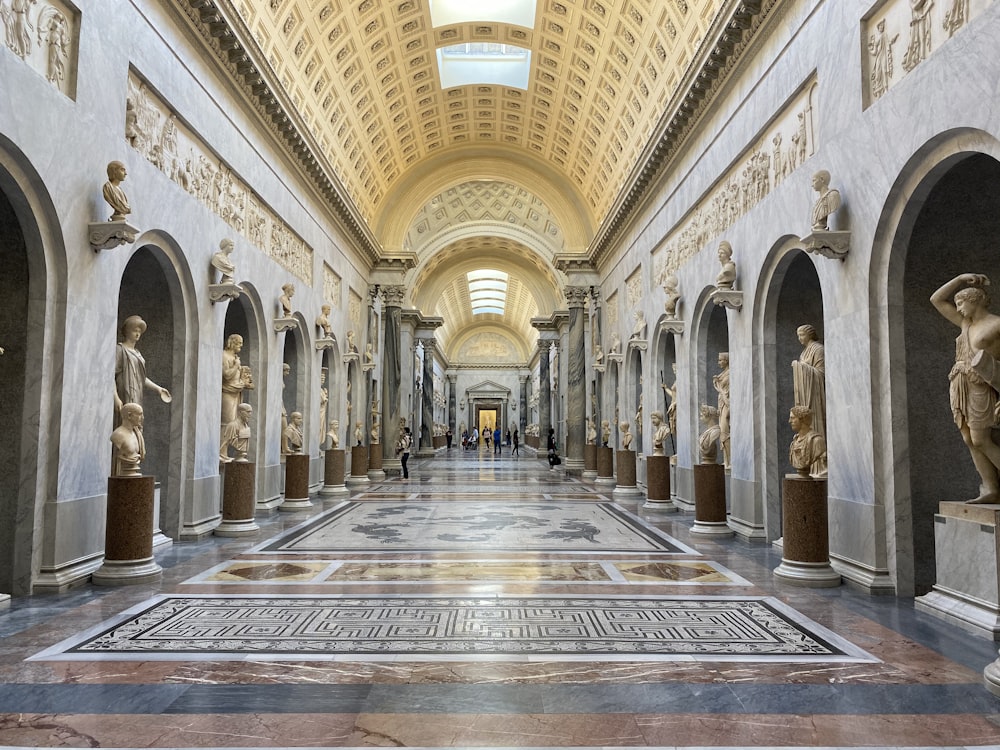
492	174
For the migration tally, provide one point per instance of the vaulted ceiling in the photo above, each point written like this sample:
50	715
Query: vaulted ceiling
483	174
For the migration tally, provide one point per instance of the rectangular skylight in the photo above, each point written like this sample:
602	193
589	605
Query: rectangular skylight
484	63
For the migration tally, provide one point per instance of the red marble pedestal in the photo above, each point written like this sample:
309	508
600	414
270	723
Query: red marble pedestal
710	501
296	483
359	465
589	461
605	465
128	536
625	464
805	559
333	473
239	500
658	484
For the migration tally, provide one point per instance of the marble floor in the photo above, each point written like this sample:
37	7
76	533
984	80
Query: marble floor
485	602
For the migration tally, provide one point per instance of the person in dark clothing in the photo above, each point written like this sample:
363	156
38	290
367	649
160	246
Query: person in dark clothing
448	436
496	440
553	457
515	444
403	450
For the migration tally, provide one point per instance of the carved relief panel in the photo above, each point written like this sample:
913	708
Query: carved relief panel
46	37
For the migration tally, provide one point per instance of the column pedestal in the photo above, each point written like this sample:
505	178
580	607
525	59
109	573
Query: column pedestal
333	474
359	466
590	461
375	471
605	466
658	485
296	483
128	538
710	501
626	475
805	558
239	500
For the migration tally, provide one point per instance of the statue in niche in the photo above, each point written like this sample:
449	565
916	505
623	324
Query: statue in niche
727	276
670	288
598	354
671	393
639	329
351	346
807	452
605	432
324	400
708	442
721	383
358	432
233	383
332	434
236	435
826	204
293	433
809	377
616	344
285	370
919	46
285	300
130	367
376	430
369	354
113	192
974	378
660	433
626	436
129	448
880	49
222	263
591	432
638	412
323	321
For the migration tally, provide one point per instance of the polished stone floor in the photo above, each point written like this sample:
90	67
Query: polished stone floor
485	602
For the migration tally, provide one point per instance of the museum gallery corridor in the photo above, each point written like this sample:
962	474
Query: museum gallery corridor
484	602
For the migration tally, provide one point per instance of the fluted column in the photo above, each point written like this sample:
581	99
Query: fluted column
391	359
576	379
522	404
452	406
544	392
426	445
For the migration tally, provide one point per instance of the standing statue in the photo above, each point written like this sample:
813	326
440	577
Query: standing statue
233	383
222	263
285	369
591	432
130	367
721	383
670	288
129	448
727	276
826	204
809	377
332	435
376	431
358	432
708	442
605	432
236	435
660	433
671	393
293	433
626	436
974	379
807	452
113	192
638	413
285	300
324	400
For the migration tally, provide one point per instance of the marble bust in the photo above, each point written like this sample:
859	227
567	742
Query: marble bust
616	344
660	433
293	433
826	204
591	431
358	432
129	446
331	433
236	435
727	275
639	329
323	321
626	435
708	442
285	300
113	192
352	347
222	263
807	452
605	432
670	284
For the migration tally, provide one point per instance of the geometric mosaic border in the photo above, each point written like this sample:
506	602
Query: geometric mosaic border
466	628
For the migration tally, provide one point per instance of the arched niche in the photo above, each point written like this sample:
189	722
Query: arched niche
295	395
245	316
712	340
613	408
665	354
636	400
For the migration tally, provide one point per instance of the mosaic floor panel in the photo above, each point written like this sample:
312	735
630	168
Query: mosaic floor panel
460	526
419	628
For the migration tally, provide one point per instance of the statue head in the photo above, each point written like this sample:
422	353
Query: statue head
723	360
334	424
975	296
244	412
295	418
326	309
131	324
800	417
226	246
623	426
132	415
821	180
656	417
288	289
709	414
234	343
116	171
725	252
285	368
806	333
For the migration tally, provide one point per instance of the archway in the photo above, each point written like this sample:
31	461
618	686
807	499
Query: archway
244	316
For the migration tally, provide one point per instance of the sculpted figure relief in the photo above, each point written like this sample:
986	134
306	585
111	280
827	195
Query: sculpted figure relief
130	367
809	377
660	433
222	262
113	192
129	448
727	276
708	442
807	452
236	435
721	383
826	204
975	380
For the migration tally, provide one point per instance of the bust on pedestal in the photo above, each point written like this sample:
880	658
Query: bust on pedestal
710	515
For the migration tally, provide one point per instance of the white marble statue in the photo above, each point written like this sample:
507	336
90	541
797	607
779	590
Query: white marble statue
708	442
236	435
129	448
324	400
616	344
293	433
826	204
285	370
807	452
332	433
591	432
376	431
660	433
727	276
233	383
113	192
223	263
671	392
130	367
670	288
323	321
639	329
625	427
359	432
721	383
351	345
369	354
809	377
285	299
605	432
974	381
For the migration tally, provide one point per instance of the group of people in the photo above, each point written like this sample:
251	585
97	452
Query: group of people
492	439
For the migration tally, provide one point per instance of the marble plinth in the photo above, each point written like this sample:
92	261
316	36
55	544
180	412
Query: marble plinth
626	486
296	483
375	471
967	557
239	500
128	537
4	601
605	465
710	518
359	466
333	474
589	461
805	559
658	485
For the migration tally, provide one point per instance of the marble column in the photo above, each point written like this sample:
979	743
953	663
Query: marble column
391	361
426	444
576	380
522	404
544	396
452	424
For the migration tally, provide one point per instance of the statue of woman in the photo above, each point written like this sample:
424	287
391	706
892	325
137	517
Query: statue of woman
708	442
232	378
721	383
113	192
130	367
809	377
324	400
671	393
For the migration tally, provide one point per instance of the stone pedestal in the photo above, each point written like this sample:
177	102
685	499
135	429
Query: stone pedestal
658	485
967	558
626	486
239	500
375	471
128	538
4	601
333	474
805	558
296	483
589	461
605	466
710	501
359	466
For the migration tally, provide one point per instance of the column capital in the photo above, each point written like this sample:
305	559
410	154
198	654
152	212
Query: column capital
429	343
577	296
393	294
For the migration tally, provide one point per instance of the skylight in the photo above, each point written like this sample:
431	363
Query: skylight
487	291
448	12
484	63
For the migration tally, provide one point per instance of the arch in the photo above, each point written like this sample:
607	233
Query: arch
295	394
635	411
898	275
664	354
710	337
34	343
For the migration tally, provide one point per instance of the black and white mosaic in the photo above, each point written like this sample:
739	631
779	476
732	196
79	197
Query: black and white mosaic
594	628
